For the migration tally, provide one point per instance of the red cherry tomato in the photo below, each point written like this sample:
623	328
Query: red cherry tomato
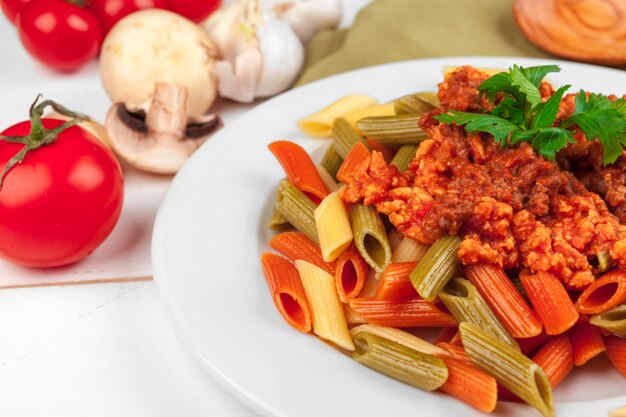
61	202
60	35
11	7
196	10
110	11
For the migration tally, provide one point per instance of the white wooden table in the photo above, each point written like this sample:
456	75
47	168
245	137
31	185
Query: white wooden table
99	349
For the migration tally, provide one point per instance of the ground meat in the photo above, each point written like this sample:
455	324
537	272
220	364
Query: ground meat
459	90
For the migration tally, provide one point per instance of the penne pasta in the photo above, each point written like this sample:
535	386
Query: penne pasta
404	156
353	163
406	365
320	124
297	208
446	334
393	130
510	367
587	342
352	318
333	227
413	104
352	116
556	358
300	169
295	245
604	293
415	312
436	268
470	385
409	250
466	305
394	283
327	315
370	236
616	352
350	274
331	160
504	300
550	301
530	345
344	137
455	351
286	290
399	336
617	412
329	180
613	320
386	151
277	221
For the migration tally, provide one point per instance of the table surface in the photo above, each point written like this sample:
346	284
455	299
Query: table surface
100	349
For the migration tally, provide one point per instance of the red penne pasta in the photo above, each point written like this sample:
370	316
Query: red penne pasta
504	299
287	292
456	339
394	283
415	312
446	334
586	340
300	169
456	352
604	293
556	358
470	385
550	301
295	245
385	150
616	351
350	274
531	344
358	155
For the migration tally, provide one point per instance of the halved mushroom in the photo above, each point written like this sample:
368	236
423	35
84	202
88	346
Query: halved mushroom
162	139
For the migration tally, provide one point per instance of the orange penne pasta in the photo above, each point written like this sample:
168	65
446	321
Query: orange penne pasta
394	283
616	351
385	150
358	155
350	274
456	352
300	169
295	245
446	334
287	292
504	299
550	301
531	344
586	340
415	312
556	358
470	385
604	293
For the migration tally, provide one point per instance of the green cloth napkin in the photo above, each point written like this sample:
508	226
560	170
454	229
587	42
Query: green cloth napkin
395	30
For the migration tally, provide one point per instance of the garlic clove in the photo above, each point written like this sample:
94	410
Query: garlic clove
308	17
239	81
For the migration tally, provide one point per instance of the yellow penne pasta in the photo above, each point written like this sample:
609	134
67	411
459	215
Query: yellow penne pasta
320	124
618	412
352	317
375	110
409	250
400	337
329	321
328	179
333	226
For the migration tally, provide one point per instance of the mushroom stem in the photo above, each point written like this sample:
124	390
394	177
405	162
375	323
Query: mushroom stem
166	120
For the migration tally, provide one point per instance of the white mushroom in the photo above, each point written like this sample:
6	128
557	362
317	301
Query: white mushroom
155	45
162	139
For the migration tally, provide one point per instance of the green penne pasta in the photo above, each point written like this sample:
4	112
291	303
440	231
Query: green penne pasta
399	362
605	261
429	97
344	137
404	156
435	269
511	368
466	304
613	320
331	161
393	130
370	236
277	221
412	104
297	208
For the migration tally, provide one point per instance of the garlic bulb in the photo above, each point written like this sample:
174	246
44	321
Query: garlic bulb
307	17
261	55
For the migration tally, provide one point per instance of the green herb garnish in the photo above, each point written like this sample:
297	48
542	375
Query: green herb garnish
521	116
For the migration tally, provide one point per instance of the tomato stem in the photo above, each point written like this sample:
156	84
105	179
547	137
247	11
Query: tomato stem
79	3
39	136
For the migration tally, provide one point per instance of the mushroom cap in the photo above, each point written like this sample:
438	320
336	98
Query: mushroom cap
153	46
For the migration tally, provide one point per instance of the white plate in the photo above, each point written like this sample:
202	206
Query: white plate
210	233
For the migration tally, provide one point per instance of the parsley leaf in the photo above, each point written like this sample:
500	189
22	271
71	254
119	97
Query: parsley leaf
537	74
500	128
546	112
508	109
548	141
605	125
531	97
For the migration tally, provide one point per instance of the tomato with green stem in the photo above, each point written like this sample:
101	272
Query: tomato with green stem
61	190
12	7
111	11
61	35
